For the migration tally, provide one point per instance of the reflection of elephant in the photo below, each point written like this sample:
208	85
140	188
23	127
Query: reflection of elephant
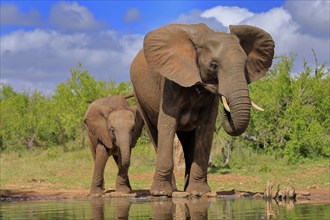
193	208
162	209
113	128
177	78
122	207
180	208
97	206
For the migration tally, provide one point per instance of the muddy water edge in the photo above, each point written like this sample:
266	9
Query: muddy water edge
232	204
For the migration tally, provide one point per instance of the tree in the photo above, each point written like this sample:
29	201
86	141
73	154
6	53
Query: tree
295	124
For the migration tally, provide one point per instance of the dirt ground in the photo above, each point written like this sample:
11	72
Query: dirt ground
39	190
303	195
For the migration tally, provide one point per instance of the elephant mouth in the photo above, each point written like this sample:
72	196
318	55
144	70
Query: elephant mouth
225	104
115	149
227	108
236	115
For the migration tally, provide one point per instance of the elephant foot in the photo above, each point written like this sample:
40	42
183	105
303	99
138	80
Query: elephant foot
198	188
161	188
96	191
124	189
123	185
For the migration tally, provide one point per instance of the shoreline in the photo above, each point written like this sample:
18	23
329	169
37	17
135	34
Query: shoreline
12	195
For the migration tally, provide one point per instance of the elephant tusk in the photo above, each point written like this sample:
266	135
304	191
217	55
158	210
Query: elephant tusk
254	105
225	103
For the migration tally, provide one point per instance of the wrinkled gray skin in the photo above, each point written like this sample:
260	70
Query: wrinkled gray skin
178	77
113	129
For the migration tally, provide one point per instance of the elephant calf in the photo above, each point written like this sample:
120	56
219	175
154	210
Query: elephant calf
113	129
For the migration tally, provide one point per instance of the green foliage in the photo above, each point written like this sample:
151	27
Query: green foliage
295	124
33	119
23	119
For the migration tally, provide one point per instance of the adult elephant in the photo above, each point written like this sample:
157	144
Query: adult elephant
178	78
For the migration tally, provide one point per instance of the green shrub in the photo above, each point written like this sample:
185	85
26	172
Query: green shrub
295	125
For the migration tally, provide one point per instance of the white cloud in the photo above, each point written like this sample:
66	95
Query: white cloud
10	15
274	21
194	17
72	16
131	15
297	27
44	58
288	36
227	15
311	16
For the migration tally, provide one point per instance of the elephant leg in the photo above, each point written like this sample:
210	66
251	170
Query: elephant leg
153	134
187	140
93	144
101	158
162	183
122	181
203	142
151	129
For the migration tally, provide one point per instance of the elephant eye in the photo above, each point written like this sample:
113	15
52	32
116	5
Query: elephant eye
214	66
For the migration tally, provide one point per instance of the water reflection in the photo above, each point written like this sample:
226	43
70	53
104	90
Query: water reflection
122	208
193	208
272	206
163	208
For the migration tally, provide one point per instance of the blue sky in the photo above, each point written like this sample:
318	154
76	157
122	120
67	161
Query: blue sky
42	40
151	14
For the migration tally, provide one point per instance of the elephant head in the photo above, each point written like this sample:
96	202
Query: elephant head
116	127
222	63
124	128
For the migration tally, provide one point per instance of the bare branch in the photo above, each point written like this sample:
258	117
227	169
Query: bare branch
316	62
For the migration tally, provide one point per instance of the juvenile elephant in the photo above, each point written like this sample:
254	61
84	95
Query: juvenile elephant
178	78
113	129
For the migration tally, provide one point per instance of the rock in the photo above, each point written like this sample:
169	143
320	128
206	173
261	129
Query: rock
257	196
303	193
271	191
291	192
180	194
280	195
120	195
211	194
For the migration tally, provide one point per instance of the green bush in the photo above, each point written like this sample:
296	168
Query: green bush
295	125
30	120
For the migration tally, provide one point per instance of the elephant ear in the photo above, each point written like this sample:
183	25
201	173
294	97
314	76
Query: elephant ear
171	52
96	123
138	126
259	48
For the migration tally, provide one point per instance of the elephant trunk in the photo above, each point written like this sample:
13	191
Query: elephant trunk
237	120
125	152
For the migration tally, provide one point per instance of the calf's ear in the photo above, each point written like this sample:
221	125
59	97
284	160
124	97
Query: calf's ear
96	123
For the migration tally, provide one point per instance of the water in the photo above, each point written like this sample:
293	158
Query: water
158	208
